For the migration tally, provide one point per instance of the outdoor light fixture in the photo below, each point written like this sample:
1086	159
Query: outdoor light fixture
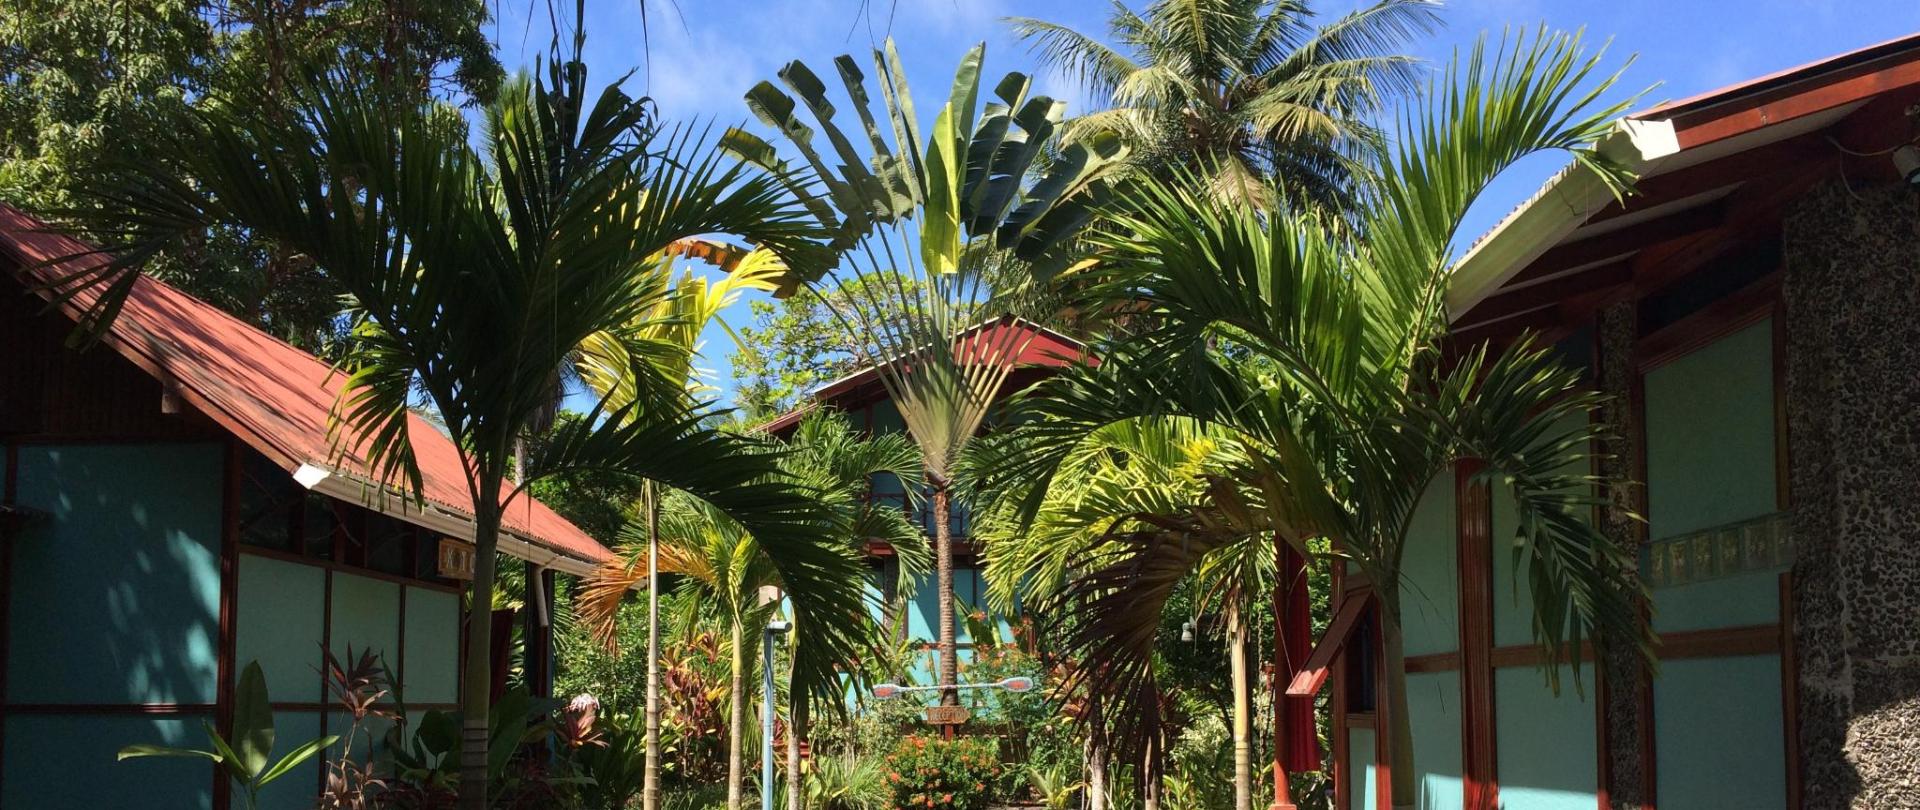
1186	631
1906	162
774	628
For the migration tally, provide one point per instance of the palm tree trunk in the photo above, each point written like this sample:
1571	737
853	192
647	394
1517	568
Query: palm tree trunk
737	721
1400	728
1096	756
650	790
1242	708
943	553
476	681
796	732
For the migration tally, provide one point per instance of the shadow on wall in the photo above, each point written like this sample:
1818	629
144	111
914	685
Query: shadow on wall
114	607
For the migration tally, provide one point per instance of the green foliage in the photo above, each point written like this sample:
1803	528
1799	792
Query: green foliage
797	344
597	501
929	771
615	769
89	84
1253	99
848	783
248	758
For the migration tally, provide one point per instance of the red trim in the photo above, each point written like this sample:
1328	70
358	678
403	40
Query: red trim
329	565
1338	705
326	644
1716	117
1479	767
229	605
1313	674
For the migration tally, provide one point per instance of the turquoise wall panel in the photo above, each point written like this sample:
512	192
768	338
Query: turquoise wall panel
1718	733
1433	710
280	617
1547	750
1512	596
1361	783
1710	461
1710	435
433	647
116	596
366	615
1429	578
1737	601
55	761
296	790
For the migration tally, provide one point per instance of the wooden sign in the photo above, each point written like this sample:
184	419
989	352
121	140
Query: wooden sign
947	715
455	560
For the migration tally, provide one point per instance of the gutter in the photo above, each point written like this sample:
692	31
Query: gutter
1562	205
351	489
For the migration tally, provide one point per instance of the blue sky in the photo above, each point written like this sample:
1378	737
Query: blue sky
704	54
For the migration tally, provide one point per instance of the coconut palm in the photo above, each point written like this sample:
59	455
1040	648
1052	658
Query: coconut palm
723	564
943	347
1322	357
474	269
1239	91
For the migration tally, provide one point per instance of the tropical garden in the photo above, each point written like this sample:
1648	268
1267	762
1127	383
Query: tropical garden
1249	233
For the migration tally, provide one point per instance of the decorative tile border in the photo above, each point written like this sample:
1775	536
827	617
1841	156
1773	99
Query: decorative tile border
1760	544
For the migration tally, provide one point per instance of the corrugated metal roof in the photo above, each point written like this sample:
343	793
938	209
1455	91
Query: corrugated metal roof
269	393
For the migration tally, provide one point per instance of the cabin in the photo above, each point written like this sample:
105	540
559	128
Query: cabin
861	396
1753	311
172	508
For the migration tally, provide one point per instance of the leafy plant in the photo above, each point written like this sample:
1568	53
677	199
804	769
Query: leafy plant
1055	786
928	771
616	767
848	783
247	758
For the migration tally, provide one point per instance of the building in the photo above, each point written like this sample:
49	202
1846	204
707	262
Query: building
1754	310
174	509
862	397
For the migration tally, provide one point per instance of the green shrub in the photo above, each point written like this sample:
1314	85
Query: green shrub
927	771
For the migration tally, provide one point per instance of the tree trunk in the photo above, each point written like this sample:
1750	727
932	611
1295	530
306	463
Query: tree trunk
1150	777
650	790
737	719
796	733
1400	737
1242	707
476	681
943	552
1096	756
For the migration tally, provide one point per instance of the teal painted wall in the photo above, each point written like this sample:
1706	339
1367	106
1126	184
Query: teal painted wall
296	790
1718	733
1547	751
1429	572
1361	782
55	761
1710	461
433	646
1512	596
1719	739
1433	706
127	563
278	622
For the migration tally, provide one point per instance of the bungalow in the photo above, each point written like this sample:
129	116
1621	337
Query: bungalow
173	509
862	397
1754	312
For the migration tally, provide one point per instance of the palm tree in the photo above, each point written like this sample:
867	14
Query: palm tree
1335	387
945	346
474	271
723	563
1239	91
1134	478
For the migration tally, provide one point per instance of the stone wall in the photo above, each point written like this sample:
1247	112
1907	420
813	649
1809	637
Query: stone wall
1853	402
1621	665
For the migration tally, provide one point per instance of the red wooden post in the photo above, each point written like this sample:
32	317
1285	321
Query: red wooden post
1296	745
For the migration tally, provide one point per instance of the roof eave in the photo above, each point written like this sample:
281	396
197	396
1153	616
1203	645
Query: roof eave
1561	205
353	489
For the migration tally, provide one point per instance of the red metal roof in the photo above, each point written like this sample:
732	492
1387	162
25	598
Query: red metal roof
268	393
1045	348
